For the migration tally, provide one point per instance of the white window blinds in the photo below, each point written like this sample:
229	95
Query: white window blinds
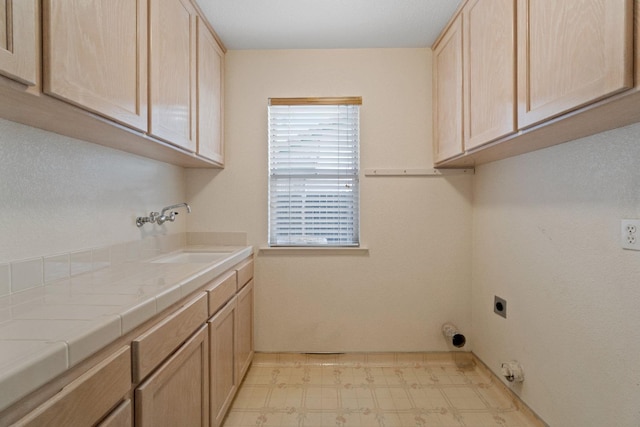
313	172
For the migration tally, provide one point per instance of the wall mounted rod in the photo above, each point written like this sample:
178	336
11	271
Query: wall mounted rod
418	172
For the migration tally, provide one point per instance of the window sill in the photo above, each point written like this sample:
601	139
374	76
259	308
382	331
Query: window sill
313	250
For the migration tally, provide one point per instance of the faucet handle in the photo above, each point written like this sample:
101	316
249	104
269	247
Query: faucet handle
153	217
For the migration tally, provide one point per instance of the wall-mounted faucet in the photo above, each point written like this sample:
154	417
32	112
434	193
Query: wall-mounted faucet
172	216
162	217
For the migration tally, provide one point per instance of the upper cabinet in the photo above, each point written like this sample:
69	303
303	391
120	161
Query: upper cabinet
95	56
142	76
210	95
570	54
489	71
474	78
19	32
172	89
447	93
536	73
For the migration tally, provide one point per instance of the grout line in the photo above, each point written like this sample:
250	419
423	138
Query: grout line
383	389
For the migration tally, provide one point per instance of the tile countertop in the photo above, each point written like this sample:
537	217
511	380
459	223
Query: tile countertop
46	330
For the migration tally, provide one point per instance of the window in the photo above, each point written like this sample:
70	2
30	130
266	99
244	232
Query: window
313	171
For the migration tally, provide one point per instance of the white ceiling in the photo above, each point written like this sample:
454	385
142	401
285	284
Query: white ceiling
327	24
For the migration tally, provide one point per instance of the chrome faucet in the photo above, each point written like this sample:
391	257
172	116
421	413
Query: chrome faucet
172	216
161	217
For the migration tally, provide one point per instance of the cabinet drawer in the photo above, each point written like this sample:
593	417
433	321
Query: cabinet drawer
245	273
89	398
155	345
220	291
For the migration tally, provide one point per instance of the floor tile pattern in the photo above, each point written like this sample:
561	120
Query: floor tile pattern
377	390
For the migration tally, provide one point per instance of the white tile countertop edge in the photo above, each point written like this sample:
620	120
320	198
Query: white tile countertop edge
38	345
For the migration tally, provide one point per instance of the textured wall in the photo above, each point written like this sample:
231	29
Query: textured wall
546	230
417	273
59	194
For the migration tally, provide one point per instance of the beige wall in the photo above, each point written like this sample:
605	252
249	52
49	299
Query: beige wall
416	275
60	195
546	230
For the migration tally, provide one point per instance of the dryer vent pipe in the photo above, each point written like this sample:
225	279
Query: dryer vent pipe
450	332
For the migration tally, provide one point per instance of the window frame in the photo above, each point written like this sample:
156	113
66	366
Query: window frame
353	176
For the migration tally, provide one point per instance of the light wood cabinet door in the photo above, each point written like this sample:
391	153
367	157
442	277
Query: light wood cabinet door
210	95
447	90
636	41
95	392
122	416
571	53
224	382
172	72
490	71
95	56
19	32
244	330
177	393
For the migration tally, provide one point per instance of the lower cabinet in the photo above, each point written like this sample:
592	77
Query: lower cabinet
96	392
122	416
177	393
224	381
244	343
181	370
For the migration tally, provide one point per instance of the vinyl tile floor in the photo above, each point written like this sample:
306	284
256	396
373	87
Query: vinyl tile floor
377	390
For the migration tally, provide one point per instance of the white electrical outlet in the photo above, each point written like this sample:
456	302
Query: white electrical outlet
630	234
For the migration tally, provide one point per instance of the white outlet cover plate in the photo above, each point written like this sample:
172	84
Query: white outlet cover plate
630	234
